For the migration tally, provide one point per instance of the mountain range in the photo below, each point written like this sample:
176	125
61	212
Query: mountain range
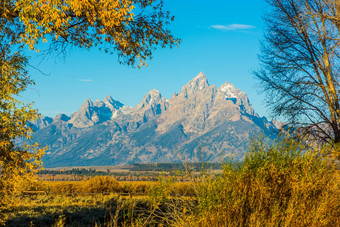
201	122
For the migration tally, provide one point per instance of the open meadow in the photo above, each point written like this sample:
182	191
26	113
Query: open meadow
100	201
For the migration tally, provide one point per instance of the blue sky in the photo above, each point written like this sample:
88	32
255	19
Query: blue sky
219	37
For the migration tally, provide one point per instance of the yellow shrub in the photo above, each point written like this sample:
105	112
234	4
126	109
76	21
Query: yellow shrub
136	187
100	184
282	184
183	189
63	187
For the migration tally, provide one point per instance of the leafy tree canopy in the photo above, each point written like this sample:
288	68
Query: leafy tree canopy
130	28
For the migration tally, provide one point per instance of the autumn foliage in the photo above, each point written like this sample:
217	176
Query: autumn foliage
16	162
279	184
130	28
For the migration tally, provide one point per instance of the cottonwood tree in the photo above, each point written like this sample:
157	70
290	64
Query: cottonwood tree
300	65
132	29
16	162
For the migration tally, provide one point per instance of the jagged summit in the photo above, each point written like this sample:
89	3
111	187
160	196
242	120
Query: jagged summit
61	117
154	91
112	104
108	99
238	97
153	96
97	112
152	104
41	122
87	103
229	90
98	103
201	75
198	83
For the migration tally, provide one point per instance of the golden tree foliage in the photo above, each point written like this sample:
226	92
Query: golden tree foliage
130	28
15	162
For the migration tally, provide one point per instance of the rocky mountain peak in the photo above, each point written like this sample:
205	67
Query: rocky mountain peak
238	97
198	83
153	96
154	92
152	104
41	122
229	90
201	75
191	106
108	99
98	103
91	113
88	103
61	117
112	104
82	118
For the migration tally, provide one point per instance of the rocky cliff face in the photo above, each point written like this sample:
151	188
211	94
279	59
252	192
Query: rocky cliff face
153	104
199	122
98	112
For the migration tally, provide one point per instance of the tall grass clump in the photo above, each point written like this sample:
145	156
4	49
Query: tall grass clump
283	183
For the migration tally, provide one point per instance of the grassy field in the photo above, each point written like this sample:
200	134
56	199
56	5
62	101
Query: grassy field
100	201
96	210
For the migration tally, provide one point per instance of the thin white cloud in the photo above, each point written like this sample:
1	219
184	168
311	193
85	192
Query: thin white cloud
85	80
232	27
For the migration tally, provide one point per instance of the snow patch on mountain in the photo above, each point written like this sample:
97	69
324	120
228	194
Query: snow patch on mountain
229	90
